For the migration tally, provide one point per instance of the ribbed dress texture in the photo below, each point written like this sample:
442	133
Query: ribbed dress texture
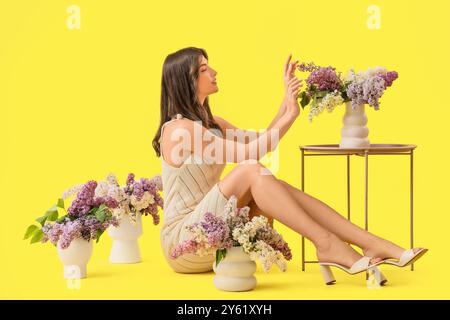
189	191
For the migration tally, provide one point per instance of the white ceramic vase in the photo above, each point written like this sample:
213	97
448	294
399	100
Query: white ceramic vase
354	133
75	258
125	247
235	271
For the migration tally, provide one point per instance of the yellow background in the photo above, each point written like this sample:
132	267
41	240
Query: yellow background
78	104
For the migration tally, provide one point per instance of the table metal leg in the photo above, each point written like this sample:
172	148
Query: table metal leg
303	189
366	193
411	231
366	190
348	187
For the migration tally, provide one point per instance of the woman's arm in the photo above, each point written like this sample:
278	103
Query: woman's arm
191	137
243	135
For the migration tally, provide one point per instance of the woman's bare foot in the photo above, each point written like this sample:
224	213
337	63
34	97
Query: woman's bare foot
334	250
384	249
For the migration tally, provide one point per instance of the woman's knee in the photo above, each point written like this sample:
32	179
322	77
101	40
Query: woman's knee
252	168
238	182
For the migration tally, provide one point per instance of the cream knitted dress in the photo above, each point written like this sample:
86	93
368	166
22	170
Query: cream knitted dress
189	192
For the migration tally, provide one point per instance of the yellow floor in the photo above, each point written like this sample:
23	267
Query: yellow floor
35	272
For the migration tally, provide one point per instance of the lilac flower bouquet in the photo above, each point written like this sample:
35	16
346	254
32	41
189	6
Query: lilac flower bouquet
369	86
233	228
326	89
87	218
97	206
137	196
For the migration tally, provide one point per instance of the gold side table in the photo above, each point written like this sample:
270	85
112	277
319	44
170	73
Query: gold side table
374	149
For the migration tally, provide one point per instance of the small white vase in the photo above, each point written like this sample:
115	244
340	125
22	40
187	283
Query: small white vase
235	271
75	258
125	247
354	133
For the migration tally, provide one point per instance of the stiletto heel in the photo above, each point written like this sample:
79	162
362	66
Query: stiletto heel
327	274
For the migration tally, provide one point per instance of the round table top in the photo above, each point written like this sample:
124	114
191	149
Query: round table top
377	147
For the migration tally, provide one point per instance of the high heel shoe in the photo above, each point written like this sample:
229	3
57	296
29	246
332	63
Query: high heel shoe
361	265
407	257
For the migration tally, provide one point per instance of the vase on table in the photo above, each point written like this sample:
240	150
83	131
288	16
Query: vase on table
125	247
75	258
354	133
235	272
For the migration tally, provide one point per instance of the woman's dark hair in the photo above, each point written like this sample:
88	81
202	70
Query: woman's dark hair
179	91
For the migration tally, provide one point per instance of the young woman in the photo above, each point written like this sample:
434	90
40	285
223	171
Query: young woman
191	178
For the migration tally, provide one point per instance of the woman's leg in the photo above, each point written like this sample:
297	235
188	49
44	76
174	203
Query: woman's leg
247	200
326	216
278	203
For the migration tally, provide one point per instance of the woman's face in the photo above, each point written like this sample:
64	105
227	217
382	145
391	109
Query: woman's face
206	82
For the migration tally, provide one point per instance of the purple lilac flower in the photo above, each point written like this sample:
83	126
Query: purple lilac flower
82	228
90	227
275	240
389	77
188	246
157	180
130	179
152	209
217	231
355	92
110	202
159	200
71	231
138	189
84	200
52	232
307	67
238	218
143	185
324	79
373	89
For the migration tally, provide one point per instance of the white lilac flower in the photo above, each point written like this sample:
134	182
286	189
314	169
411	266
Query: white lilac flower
329	102
146	200
112	179
71	191
102	189
374	72
267	256
110	188
158	182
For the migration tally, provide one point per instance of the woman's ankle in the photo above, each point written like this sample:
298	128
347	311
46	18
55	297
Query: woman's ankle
324	242
370	242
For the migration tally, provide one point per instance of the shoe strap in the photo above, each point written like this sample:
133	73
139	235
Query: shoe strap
406	256
361	264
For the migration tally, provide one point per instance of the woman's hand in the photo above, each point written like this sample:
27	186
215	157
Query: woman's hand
289	69
291	97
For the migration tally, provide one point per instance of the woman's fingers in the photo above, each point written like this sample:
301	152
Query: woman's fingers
294	79
289	71
287	63
295	83
294	65
295	88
